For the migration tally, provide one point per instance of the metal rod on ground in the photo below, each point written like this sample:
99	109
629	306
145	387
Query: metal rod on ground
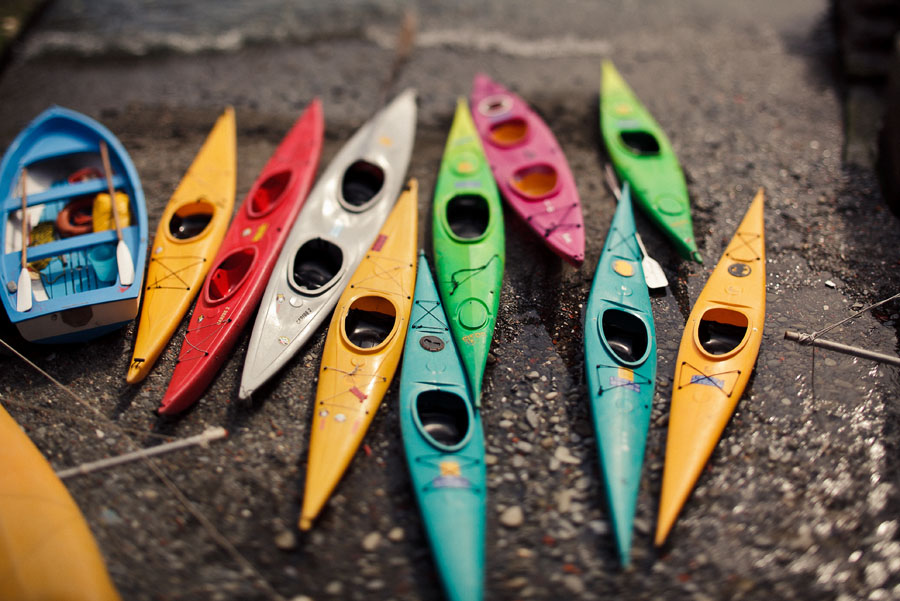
102	464
806	340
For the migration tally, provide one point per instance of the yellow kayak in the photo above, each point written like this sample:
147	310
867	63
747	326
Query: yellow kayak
717	353
362	351
189	234
47	552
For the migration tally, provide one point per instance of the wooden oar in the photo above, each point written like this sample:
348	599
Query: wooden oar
23	288
123	255
653	271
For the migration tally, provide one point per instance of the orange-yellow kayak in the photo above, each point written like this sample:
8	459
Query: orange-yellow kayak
362	351
189	235
715	359
47	552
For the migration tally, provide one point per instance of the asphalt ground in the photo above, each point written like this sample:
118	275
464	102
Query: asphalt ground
800	498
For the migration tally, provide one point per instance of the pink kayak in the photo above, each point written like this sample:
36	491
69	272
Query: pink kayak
530	169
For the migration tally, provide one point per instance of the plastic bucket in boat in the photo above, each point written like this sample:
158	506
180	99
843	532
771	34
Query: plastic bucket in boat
103	260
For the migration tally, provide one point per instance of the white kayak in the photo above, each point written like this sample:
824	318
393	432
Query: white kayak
339	222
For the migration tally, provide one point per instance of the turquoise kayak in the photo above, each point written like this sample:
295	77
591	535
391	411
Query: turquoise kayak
444	444
620	362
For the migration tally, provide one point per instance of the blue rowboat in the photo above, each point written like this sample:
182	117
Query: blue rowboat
620	361
76	292
444	444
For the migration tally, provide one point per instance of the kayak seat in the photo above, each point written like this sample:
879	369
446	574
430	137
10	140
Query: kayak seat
718	338
269	193
640	142
230	274
534	182
468	216
443	416
369	321
625	335
316	263
189	221
509	133
361	182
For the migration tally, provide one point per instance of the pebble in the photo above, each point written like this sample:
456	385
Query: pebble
516	582
375	585
512	517
396	534
547	442
301	598
371	541
490	460
564	501
533	375
573	584
551	395
532	418
518	461
286	540
335	587
564	455
505	424
829	283
524	447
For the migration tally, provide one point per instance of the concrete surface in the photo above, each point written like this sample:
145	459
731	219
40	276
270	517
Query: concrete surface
800	499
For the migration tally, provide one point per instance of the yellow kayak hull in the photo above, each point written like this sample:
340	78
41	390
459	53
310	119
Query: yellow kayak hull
362	351
718	351
180	256
47	551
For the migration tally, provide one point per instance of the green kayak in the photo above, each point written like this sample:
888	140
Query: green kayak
468	244
643	156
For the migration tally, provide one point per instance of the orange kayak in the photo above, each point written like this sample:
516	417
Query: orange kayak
716	357
47	552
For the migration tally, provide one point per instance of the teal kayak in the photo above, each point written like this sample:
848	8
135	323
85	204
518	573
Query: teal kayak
620	362
444	444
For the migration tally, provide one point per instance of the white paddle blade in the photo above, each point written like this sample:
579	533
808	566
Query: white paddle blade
23	292
125	264
653	274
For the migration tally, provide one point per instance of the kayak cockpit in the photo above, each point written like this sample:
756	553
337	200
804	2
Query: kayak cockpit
229	275
509	133
722	331
317	264
443	418
639	142
625	335
191	220
468	216
269	194
361	184
369	322
535	181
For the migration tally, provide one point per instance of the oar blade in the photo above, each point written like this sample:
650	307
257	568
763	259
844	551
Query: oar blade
125	264
23	291
654	274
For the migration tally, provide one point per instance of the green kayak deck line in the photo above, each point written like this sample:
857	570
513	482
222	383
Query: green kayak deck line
469	244
643	156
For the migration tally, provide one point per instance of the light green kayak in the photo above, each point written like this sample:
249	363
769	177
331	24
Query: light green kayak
643	156
468	244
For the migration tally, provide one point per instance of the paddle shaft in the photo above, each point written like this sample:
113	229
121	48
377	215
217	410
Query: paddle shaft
806	339
107	171
24	221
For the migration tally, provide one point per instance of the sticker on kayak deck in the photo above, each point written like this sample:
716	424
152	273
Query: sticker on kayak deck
739	270
708	381
616	382
385	141
623	268
379	242
493	106
432	344
451	476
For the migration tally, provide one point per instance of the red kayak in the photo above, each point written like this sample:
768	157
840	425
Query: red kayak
529	166
241	269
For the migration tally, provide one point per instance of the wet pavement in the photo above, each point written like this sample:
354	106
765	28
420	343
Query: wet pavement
800	499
